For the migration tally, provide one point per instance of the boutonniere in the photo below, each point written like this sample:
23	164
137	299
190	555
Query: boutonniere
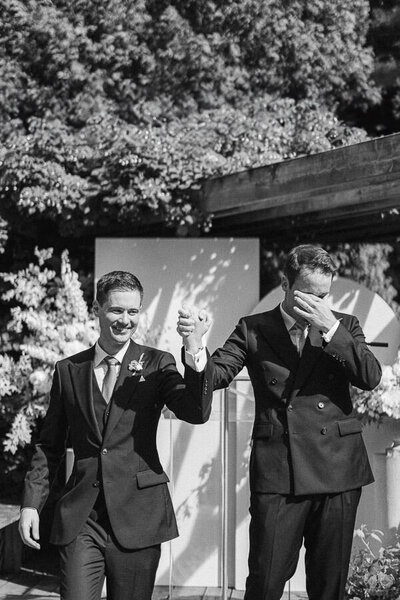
136	366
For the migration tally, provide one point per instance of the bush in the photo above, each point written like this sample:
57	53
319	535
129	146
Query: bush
49	320
374	575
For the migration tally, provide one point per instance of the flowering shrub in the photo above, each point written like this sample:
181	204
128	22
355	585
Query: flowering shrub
374	575
384	400
49	320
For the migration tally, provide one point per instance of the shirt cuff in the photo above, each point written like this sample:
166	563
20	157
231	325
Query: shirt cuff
197	361
329	334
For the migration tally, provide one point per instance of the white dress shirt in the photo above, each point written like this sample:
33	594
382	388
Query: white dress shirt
99	364
298	335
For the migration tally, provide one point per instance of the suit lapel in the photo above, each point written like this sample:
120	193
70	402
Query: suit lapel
82	381
274	331
124	388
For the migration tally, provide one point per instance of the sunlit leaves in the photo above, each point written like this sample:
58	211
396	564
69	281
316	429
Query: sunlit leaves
111	112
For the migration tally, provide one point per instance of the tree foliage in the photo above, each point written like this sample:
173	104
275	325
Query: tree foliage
74	58
114	175
382	118
112	111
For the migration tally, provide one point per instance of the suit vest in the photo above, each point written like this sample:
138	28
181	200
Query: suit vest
101	408
102	411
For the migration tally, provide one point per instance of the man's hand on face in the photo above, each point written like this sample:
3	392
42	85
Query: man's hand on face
192	325
29	527
314	310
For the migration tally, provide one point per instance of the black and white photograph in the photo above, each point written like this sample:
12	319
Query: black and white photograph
200	299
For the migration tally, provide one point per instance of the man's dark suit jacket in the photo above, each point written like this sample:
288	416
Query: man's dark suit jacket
306	438
125	461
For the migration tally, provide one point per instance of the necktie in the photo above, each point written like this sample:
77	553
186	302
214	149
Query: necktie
110	378
298	334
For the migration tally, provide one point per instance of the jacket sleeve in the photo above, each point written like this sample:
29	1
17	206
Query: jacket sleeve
190	397
349	348
48	452
230	359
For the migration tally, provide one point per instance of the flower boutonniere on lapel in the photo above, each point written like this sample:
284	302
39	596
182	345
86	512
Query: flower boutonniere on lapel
136	367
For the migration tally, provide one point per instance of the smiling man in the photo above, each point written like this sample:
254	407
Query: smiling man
115	510
308	460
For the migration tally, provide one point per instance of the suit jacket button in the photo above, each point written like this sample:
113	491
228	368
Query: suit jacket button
321	405
96	484
324	431
104	451
290	407
273	381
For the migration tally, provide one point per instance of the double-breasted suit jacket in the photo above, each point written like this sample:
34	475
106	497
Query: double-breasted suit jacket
306	436
122	462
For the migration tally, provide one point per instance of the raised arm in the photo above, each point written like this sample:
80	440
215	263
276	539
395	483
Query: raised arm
192	326
226	362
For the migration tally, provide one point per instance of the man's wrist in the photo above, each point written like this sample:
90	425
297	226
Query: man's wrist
328	335
193	346
194	352
328	327
196	361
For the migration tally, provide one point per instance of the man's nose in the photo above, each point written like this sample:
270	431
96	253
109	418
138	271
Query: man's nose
124	317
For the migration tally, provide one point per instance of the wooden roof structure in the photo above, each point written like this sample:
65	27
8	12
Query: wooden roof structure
351	193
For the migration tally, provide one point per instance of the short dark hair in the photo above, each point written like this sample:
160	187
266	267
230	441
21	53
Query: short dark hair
307	257
117	280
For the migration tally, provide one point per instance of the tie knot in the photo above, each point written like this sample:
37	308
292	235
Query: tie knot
111	361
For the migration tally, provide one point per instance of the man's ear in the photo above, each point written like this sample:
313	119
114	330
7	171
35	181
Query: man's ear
96	307
285	283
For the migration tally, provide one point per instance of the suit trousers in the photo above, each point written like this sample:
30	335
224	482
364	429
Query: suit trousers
279	525
95	554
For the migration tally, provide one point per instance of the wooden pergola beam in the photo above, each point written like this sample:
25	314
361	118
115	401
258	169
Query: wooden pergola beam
352	190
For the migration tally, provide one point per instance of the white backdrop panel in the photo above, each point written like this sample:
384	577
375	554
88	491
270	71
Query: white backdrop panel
220	274
223	276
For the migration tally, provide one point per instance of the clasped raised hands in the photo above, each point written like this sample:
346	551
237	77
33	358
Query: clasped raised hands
192	325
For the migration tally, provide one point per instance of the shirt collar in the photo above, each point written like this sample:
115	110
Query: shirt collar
100	354
287	319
